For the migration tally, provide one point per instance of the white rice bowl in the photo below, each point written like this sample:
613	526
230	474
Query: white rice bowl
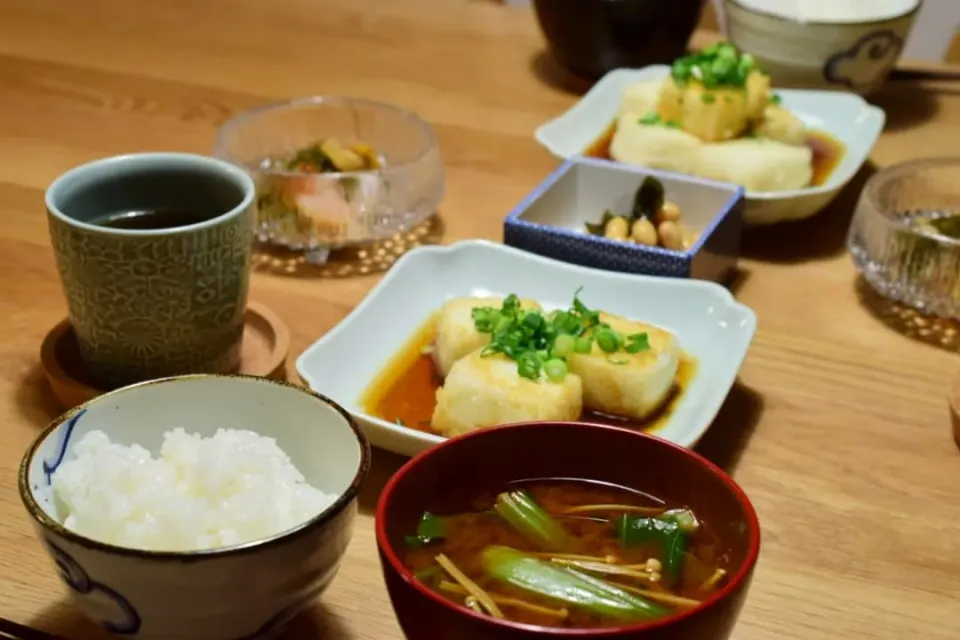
163	526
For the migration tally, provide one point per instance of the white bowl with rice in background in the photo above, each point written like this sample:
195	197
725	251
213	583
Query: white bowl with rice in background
197	507
822	44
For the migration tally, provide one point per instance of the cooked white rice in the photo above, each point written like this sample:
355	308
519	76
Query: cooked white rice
200	493
840	11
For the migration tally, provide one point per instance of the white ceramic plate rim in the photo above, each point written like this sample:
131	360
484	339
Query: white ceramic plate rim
581	111
705	417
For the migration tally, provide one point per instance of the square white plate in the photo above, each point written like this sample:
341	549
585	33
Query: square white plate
845	116
709	323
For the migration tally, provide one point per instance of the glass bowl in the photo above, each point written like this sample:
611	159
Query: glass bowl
905	235
317	213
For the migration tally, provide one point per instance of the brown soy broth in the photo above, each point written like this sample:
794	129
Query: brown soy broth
600	148
475	526
152	219
827	153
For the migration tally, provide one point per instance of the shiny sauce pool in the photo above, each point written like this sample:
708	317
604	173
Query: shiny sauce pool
827	152
405	392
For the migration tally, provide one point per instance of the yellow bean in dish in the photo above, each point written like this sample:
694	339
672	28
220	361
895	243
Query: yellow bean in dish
483	361
716	116
652	221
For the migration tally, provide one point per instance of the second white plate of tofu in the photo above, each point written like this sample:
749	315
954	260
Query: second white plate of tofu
414	363
845	117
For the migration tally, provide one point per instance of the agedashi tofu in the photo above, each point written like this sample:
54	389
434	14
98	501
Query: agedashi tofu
632	385
641	98
482	391
759	164
711	114
654	145
758	94
781	125
456	334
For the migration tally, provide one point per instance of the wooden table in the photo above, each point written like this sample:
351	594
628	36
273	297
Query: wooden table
837	429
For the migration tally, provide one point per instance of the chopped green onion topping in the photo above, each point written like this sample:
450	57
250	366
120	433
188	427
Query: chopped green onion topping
563	345
556	369
609	340
651	118
583	345
541	343
719	65
637	342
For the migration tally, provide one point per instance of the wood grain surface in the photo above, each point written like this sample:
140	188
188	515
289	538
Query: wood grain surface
838	427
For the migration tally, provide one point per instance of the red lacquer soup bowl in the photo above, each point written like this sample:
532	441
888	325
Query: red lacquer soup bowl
486	460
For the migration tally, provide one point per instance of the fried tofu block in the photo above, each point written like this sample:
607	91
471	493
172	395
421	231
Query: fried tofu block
709	114
759	164
484	391
456	335
654	146
624	384
758	94
781	125
641	98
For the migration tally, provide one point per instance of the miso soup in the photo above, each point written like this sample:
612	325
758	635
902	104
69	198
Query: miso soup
568	553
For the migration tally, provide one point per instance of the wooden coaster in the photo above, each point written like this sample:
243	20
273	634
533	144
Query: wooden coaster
955	408
266	342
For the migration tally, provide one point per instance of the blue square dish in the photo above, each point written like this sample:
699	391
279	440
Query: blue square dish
550	221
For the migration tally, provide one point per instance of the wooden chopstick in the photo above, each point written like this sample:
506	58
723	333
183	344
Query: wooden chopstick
10	630
925	70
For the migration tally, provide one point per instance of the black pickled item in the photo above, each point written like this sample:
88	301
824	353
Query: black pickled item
592	37
648	199
598	228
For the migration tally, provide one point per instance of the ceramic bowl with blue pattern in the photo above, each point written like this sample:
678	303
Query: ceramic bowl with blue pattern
551	221
246	591
847	52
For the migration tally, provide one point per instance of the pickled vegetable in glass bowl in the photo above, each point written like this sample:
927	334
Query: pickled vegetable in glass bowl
333	173
905	235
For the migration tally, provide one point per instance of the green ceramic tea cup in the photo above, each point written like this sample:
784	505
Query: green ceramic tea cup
154	251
